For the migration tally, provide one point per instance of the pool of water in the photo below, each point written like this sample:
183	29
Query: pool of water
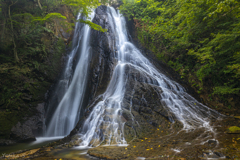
73	153
40	141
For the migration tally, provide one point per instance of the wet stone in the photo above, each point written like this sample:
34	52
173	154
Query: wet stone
212	143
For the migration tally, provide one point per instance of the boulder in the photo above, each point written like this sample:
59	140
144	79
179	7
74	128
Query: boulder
27	130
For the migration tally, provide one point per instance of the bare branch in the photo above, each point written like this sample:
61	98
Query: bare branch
39	4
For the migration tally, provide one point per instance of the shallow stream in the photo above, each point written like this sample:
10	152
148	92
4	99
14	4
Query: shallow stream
40	141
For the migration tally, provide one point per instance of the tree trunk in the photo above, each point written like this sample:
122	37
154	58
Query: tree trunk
39	4
3	30
14	44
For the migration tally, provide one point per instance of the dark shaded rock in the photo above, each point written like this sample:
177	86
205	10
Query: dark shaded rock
101	10
22	132
212	143
5	142
212	155
220	155
32	127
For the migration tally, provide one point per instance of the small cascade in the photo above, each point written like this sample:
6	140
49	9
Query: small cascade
105	123
71	88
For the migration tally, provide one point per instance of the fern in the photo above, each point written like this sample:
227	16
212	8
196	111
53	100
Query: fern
48	17
226	90
93	25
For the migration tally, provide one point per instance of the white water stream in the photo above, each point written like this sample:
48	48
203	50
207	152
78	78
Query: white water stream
67	113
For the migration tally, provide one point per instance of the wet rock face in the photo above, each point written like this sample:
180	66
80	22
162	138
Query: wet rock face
102	61
101	64
142	110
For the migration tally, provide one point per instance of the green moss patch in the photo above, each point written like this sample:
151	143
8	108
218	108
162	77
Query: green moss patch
233	129
7	121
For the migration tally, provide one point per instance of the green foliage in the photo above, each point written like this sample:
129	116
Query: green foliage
85	6
225	90
201	37
93	25
49	17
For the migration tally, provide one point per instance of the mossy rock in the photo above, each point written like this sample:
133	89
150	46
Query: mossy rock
7	121
237	117
233	129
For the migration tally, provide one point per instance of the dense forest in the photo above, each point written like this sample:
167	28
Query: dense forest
34	36
198	38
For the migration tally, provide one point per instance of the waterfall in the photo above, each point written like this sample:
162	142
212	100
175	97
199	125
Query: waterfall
104	123
73	87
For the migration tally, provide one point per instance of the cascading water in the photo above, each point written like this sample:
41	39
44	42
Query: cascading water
105	123
73	88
